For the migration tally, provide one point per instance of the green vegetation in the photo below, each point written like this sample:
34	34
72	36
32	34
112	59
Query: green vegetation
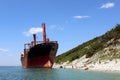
114	53
91	47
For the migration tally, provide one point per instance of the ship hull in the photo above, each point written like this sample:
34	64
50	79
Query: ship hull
40	56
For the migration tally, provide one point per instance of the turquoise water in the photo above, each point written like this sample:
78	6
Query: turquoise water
18	73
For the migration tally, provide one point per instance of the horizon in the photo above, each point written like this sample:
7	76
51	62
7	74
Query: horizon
71	23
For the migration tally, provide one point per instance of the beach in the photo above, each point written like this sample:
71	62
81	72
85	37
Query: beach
106	65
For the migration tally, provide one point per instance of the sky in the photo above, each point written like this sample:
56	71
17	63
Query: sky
70	22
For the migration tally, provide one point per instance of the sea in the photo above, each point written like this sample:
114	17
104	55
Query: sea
18	73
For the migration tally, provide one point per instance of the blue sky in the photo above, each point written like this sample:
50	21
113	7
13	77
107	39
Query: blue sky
70	22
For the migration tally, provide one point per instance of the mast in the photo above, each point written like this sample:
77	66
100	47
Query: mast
44	32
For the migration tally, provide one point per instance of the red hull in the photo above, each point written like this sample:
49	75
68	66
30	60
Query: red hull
38	62
39	56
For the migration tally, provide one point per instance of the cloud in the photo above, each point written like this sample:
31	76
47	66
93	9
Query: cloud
108	5
80	17
3	50
56	27
53	26
32	31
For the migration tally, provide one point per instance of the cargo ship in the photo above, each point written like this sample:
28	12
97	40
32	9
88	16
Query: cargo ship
39	54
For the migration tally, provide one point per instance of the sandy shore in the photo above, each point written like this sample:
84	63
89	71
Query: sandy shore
108	65
113	65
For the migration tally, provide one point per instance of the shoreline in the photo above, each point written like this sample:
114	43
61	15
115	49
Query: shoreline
105	66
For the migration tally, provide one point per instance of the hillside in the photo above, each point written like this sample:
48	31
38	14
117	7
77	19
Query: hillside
106	46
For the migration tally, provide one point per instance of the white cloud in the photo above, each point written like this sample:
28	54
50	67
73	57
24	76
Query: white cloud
32	31
3	50
80	17
35	30
57	27
53	26
108	5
